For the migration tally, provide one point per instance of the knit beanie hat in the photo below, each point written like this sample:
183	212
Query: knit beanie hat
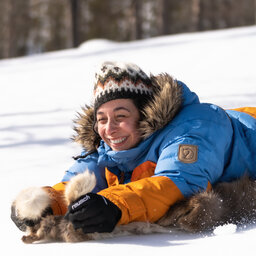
115	80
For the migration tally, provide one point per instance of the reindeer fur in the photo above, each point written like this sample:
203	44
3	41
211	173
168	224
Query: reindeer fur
233	202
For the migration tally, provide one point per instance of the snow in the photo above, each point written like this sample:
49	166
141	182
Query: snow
41	94
225	229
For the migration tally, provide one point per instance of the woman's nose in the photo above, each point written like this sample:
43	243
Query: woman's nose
111	126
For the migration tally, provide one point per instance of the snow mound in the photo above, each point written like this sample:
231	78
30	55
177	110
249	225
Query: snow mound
226	229
98	45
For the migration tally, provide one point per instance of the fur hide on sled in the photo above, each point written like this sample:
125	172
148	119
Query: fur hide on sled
233	202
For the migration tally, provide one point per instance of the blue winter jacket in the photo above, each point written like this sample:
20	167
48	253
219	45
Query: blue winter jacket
224	143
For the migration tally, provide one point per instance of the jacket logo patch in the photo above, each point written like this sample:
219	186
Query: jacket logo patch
188	153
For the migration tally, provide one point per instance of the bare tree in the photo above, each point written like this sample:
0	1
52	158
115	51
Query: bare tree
137	5
254	11
74	5
15	28
34	26
165	17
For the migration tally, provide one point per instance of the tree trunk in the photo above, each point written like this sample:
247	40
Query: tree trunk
75	22
138	19
165	17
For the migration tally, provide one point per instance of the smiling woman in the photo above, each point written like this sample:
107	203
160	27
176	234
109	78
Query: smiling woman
150	143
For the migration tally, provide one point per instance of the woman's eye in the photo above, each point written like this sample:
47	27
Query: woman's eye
101	120
120	117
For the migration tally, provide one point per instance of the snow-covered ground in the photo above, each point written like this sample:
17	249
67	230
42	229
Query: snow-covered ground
41	94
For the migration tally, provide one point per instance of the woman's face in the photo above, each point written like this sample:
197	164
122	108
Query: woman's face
117	123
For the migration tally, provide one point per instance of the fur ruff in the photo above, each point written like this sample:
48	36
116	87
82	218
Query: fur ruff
233	202
165	103
31	198
163	107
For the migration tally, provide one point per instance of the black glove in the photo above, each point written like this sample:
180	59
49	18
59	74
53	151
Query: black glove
93	213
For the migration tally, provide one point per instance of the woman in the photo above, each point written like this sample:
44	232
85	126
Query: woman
150	143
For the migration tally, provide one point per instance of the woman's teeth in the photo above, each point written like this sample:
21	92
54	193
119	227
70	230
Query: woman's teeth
118	140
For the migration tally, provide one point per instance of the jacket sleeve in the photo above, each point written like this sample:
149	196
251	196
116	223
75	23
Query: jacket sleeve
56	195
248	110
192	155
144	200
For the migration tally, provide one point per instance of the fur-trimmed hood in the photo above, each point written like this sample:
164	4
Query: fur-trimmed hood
165	104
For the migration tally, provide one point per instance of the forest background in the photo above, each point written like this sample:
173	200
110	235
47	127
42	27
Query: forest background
34	26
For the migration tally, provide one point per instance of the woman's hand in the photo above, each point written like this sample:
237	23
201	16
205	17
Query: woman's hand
93	213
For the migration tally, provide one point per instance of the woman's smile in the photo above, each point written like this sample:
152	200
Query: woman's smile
117	141
117	144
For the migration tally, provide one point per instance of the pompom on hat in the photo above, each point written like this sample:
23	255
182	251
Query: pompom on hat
117	80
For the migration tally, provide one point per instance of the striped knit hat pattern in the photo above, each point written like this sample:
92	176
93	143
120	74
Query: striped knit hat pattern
116	80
